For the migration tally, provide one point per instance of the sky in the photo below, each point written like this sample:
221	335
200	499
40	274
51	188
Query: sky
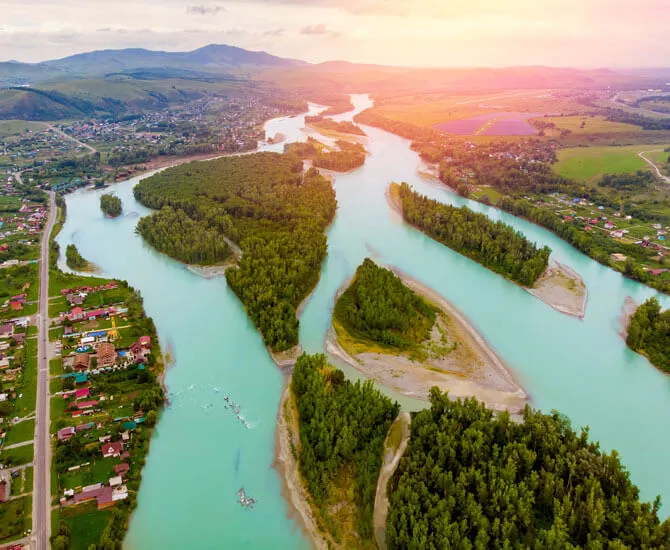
447	33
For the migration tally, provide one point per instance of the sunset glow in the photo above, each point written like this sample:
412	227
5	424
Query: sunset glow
589	33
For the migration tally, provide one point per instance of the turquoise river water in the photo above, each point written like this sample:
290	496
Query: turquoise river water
202	454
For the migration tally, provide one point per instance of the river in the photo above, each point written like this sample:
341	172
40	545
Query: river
201	454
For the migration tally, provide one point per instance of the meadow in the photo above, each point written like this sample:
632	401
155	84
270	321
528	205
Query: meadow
590	163
589	124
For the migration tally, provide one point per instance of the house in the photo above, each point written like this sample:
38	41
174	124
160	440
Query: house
82	361
6	330
81	378
67	331
81	405
19	337
84	427
115	481
95	313
145	341
119	493
121	469
4	491
66	433
81	392
106	355
77	314
112	449
16	306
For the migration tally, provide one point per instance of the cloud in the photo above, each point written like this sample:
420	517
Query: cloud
319	29
274	32
202	9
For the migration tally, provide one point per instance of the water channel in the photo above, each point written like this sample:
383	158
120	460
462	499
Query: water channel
202	454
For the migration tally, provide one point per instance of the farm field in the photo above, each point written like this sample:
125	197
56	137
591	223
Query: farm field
590	125
430	109
589	163
492	124
14	127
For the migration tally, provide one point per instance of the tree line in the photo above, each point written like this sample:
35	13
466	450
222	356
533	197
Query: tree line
379	307
347	157
472	479
74	259
649	333
173	233
495	245
342	430
265	203
111	205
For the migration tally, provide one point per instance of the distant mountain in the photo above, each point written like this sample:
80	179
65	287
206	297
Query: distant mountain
215	57
212	60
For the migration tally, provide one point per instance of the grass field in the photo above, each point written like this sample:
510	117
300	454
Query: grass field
17	456
15	518
86	524
18	433
589	163
14	127
434	108
591	125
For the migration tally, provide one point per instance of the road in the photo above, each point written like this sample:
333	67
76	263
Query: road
42	460
71	138
641	154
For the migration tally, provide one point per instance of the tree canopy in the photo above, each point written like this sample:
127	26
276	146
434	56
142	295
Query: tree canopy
470	479
379	307
342	430
111	205
265	203
649	333
495	245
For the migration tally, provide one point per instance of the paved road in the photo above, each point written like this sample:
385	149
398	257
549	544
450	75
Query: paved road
641	154
42	462
72	138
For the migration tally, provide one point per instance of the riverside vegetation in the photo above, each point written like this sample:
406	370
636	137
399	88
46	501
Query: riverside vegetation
342	430
265	203
348	156
74	259
649	333
378	307
111	205
471	479
495	245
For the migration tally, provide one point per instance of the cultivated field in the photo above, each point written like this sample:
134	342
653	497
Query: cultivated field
589	163
589	125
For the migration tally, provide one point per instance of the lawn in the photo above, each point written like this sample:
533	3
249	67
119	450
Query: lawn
14	127
17	456
15	517
98	472
26	403
589	163
55	366
57	413
86	524
18	433
591	125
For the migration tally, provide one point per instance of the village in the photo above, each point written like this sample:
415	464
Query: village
104	395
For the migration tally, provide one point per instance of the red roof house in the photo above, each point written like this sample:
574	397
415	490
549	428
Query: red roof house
16	306
145	341
112	449
86	404
82	392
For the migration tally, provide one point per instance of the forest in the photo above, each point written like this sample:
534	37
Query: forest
649	333
378	306
342	430
111	205
265	203
495	245
347	157
628	182
74	259
173	233
472	479
344	127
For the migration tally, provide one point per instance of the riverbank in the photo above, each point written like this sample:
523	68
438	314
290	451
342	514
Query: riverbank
394	448
287	445
561	288
467	368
